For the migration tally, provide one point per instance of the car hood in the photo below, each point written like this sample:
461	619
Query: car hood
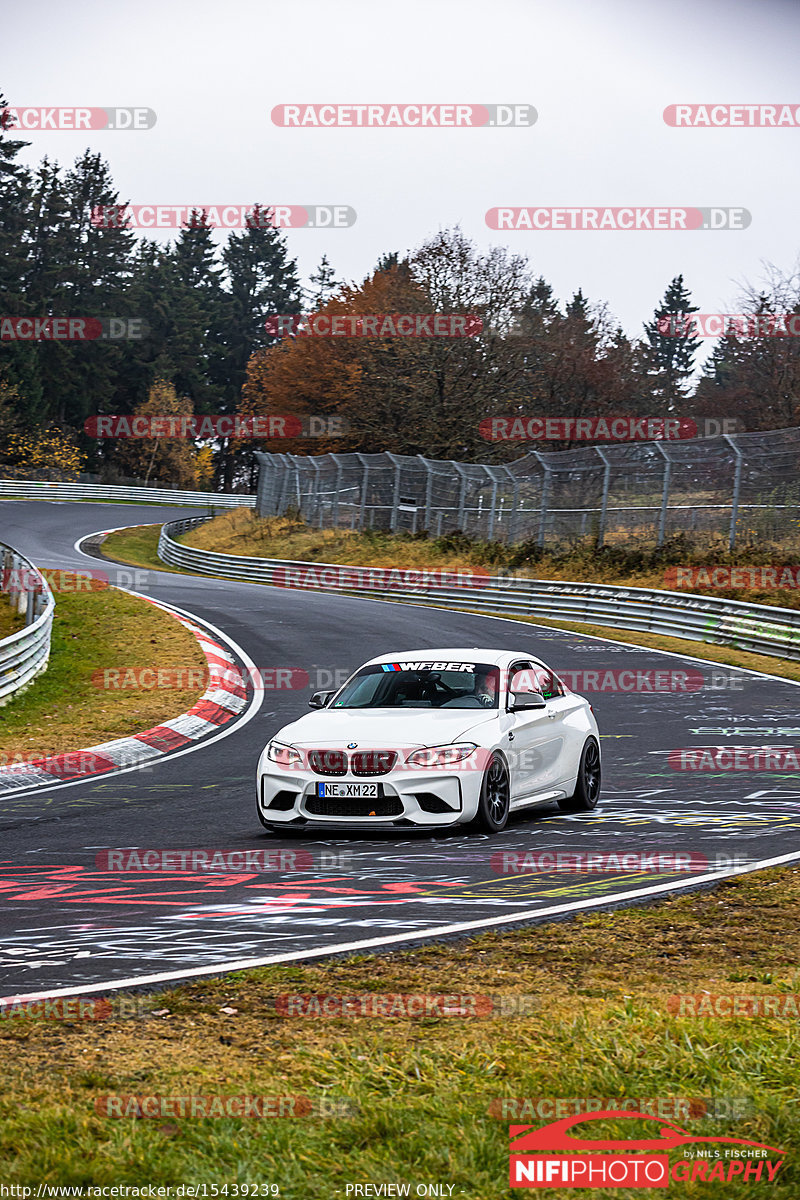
384	728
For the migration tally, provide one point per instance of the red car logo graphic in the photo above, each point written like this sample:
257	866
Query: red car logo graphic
556	1136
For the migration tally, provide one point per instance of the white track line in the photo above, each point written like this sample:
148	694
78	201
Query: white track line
398	938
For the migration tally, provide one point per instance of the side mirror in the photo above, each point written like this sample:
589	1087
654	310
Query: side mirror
520	701
321	699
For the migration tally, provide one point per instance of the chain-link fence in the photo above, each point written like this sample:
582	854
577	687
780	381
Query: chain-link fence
742	486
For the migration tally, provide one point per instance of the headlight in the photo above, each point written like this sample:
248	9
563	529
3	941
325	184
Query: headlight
442	756
287	756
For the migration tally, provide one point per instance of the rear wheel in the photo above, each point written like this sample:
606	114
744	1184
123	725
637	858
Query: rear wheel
587	786
495	800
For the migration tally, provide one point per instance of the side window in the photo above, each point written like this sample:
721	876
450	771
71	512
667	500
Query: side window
522	678
549	684
529	677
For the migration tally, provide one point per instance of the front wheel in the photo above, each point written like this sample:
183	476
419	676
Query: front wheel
493	806
587	786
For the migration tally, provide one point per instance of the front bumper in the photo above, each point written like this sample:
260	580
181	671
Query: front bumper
405	797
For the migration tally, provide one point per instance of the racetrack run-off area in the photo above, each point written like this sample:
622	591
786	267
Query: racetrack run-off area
68	922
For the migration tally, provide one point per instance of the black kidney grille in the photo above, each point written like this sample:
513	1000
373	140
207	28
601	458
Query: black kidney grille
328	762
373	762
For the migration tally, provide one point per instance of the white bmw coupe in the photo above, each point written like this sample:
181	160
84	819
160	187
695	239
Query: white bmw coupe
433	737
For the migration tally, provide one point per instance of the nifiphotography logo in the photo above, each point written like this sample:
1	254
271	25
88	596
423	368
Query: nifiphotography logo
553	1157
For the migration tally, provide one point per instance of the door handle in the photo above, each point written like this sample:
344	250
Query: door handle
552	715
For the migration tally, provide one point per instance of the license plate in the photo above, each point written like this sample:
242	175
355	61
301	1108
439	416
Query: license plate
362	791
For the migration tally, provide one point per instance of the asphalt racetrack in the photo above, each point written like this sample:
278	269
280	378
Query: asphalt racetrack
67	925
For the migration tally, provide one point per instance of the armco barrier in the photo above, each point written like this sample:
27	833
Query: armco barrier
25	654
756	627
111	491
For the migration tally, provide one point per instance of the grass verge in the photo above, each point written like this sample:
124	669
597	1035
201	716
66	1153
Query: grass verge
427	1092
68	707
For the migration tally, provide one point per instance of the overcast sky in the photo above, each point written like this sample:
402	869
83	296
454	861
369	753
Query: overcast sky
599	74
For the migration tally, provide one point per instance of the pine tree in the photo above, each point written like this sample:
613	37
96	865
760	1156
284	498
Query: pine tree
18	364
323	284
672	357
196	307
261	279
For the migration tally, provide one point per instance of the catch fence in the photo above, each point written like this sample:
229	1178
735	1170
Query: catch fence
741	487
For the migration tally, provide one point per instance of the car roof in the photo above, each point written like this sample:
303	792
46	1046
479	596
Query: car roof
476	654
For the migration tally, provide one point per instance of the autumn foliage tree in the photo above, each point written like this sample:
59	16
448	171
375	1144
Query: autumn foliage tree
41	453
160	458
421	394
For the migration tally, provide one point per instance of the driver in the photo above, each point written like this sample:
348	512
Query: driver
484	687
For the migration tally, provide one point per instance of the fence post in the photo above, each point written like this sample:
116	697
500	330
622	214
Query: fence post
286	467
313	508
662	519
601	532
493	512
364	485
337	489
428	489
545	497
462	496
737	487
299	468
398	467
277	483
514	510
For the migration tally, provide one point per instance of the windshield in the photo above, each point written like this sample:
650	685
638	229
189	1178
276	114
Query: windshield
422	685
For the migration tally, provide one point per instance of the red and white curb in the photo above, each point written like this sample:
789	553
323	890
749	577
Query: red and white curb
224	699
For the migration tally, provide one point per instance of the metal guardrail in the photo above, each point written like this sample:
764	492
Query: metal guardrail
755	627
24	654
31	490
